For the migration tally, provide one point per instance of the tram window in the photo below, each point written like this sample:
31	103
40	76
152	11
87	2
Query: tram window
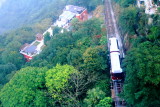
117	44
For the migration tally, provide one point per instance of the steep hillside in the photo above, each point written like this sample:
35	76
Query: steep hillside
71	71
141	65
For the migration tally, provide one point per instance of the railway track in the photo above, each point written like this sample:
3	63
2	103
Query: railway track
109	21
112	31
111	24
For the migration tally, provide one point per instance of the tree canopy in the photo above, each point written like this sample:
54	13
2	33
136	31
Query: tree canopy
128	19
96	97
26	88
57	81
94	59
142	75
68	58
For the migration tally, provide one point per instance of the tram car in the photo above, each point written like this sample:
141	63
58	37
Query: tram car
116	70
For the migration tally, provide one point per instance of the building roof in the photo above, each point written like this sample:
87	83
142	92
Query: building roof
74	9
69	12
115	63
67	15
113	45
31	49
64	18
39	35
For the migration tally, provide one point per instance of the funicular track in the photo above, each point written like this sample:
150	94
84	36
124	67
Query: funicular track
112	31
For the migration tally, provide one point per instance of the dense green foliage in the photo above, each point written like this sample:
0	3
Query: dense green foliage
125	3
57	80
10	44
26	88
69	56
59	86
94	96
134	21
142	75
37	16
5	72
11	54
106	102
141	64
128	20
76	72
94	59
72	48
84	48
71	64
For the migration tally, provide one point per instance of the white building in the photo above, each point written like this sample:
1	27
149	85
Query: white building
150	7
70	12
33	49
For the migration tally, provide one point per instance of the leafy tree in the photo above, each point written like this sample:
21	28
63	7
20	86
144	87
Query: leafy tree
95	59
4	71
56	81
103	39
56	30
67	86
93	4
55	46
11	54
92	27
42	25
61	55
106	102
103	83
47	37
156	20
74	58
142	75
94	96
63	85
13	57
154	34
21	35
76	24
126	3
39	63
143	26
79	83
128	20
26	88
83	43
60	44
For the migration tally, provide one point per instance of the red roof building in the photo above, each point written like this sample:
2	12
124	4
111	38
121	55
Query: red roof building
31	50
70	12
81	13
